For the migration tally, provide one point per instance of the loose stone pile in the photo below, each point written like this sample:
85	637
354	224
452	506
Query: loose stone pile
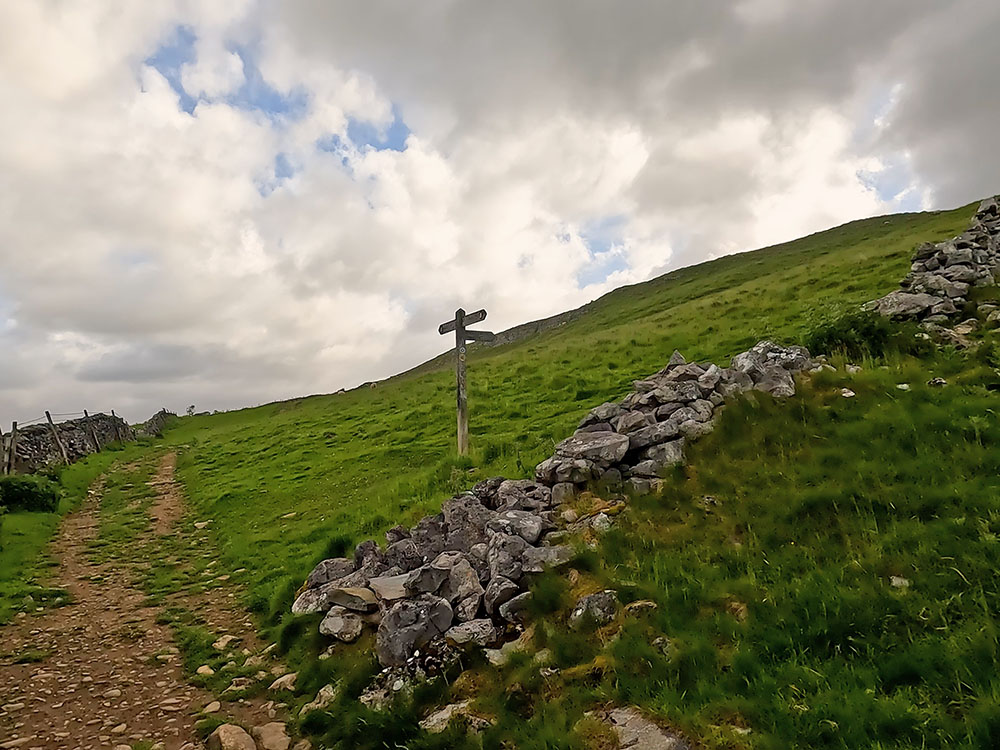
459	578
636	440
942	273
37	448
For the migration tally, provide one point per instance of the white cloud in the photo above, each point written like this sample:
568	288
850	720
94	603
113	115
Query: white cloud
152	257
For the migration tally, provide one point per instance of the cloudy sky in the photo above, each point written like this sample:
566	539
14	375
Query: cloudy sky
228	203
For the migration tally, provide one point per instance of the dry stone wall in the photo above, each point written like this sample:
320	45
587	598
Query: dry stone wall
461	578
942	274
37	449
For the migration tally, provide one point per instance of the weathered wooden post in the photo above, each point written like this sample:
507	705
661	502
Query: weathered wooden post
89	429
10	455
118	432
55	435
463	334
3	452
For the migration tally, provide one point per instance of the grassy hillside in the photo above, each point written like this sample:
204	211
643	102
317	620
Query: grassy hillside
356	463
778	624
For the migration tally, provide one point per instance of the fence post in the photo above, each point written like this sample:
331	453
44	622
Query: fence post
55	435
11	454
3	452
92	432
118	432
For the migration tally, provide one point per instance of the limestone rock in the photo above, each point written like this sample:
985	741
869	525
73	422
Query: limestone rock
499	591
466	518
475	632
521	523
636	732
230	737
599	608
504	555
515	609
326	695
600	447
438	721
389	588
342	624
537	559
355	599
408	625
272	736
329	570
287	681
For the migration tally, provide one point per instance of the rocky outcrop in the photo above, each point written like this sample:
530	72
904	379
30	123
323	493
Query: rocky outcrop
942	273
37	449
461	578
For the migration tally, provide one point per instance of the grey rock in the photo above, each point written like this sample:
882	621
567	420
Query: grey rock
272	736
354	599
486	491
329	570
467	608
595	427
367	554
498	591
481	633
479	559
515	609
230	737
636	732
314	600
666	454
341	624
683	391
605	448
466	518
410	624
404	555
564	470
656	434
603	413
504	555
389	588
702	409
430	535
396	534
461	585
520	523
692	429
599	608
537	559
562	493
902	305
630	421
523	494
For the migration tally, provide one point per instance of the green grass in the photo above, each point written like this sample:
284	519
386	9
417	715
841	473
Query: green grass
776	610
352	464
24	565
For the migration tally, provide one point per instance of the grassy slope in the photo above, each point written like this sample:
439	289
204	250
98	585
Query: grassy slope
355	463
821	501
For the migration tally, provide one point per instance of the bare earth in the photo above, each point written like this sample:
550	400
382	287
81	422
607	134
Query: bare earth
111	675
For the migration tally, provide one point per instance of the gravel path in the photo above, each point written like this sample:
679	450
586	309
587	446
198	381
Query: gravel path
108	675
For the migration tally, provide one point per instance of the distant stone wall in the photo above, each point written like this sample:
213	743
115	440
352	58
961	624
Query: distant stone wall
942	274
37	449
153	427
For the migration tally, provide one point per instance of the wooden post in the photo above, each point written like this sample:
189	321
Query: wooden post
11	452
463	334
89	429
118	433
55	435
3	452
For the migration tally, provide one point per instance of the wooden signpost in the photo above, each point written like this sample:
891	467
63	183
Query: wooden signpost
462	335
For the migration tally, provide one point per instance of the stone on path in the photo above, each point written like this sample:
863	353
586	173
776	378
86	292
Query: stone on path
272	736
230	737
